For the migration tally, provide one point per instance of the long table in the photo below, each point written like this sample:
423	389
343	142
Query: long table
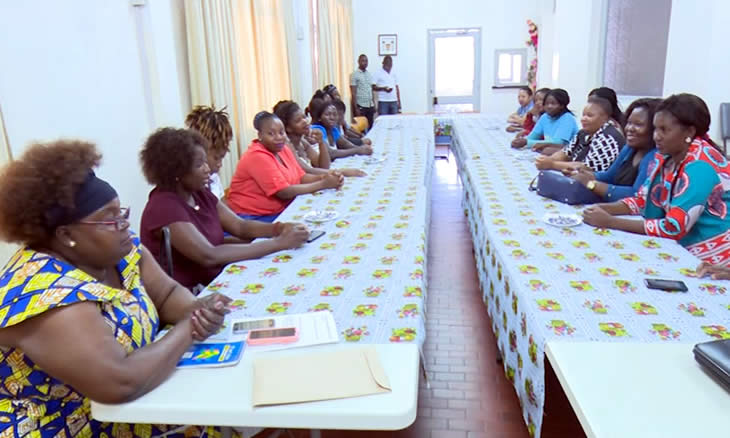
223	397
369	269
664	392
541	283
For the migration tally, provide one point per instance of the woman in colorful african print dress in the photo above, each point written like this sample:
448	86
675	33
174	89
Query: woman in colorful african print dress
82	301
685	197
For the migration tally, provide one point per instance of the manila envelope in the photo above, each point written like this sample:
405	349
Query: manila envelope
351	372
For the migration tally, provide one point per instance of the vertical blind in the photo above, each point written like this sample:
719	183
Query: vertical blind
636	46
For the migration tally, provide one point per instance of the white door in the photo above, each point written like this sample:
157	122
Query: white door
454	58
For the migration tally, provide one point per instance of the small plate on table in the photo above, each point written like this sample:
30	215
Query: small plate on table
562	220
319	216
374	160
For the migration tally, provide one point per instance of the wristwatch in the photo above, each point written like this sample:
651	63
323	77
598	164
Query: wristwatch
591	185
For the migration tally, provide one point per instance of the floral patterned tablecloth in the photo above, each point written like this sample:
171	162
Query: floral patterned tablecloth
369	269
543	283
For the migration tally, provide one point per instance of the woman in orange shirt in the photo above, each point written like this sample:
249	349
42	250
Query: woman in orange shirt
268	176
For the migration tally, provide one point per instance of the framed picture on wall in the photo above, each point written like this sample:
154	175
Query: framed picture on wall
387	44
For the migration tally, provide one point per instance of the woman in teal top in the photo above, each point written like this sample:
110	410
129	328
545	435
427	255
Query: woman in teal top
556	127
325	119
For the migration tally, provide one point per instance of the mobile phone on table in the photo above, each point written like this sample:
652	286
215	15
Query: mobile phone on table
666	285
240	327
282	335
314	235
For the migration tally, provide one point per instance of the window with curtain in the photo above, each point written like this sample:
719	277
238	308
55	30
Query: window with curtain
238	58
314	31
333	60
636	46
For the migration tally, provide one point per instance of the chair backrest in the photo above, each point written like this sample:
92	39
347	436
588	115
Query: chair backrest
725	120
361	124
166	251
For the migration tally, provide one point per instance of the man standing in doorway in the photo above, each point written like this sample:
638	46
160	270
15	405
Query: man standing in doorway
362	89
386	84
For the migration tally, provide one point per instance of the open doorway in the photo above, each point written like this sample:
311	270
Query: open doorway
454	59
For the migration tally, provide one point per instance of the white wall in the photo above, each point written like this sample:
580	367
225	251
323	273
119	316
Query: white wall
73	69
503	26
571	47
698	59
166	28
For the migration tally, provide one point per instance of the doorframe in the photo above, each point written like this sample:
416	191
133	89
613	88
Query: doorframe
476	31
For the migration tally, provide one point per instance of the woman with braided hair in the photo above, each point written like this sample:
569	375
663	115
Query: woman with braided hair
214	126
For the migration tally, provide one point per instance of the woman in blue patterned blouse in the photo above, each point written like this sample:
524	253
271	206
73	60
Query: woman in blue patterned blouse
81	302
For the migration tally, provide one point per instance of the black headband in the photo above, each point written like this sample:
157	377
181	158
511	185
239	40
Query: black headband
90	196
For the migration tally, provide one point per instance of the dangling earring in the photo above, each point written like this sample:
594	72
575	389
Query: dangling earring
71	243
688	139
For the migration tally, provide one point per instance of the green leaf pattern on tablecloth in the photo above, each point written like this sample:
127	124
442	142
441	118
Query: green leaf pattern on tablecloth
567	284
369	269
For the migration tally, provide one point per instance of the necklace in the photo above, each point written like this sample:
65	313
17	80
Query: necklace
191	202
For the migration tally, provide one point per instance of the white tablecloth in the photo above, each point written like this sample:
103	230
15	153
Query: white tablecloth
545	283
370	267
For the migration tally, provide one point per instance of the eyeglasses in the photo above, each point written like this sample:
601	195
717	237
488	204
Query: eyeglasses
118	223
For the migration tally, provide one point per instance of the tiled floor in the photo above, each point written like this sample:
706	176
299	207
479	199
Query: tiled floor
469	395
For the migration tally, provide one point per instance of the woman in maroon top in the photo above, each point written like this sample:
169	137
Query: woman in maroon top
175	161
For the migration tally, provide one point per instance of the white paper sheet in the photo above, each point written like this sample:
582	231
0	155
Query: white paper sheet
315	328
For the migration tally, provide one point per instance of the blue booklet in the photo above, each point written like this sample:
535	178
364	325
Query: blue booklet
218	354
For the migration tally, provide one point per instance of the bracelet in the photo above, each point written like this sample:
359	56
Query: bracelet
277	228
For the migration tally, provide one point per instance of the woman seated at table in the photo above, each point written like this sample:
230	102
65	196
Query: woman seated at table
175	162
214	126
268	176
628	172
538	99
555	128
596	145
617	116
357	138
325	119
302	138
686	196
82	301
517	118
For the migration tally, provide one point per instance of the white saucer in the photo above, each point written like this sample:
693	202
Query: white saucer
562	220
319	216
374	160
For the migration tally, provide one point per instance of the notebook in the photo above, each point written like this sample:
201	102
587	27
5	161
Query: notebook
212	354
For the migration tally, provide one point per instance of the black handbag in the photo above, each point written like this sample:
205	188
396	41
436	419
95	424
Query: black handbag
554	185
714	356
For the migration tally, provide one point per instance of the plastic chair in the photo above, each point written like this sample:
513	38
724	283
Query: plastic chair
361	124
166	251
725	124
